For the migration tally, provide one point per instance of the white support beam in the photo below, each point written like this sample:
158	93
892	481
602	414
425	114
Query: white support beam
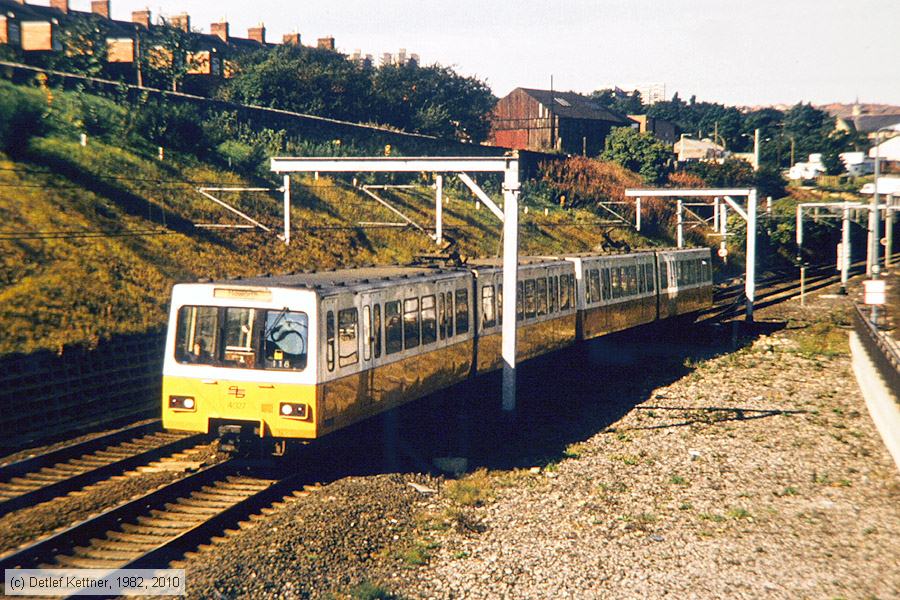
679	224
391	164
716	215
470	183
365	189
750	280
230	208
439	209
845	247
693	193
889	231
287	209
637	213
510	271
737	207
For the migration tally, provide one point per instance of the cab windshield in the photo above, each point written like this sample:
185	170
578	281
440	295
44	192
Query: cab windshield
242	338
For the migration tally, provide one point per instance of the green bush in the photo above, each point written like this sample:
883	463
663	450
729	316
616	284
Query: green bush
240	156
21	118
172	125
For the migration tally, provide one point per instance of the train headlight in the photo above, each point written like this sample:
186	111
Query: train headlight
182	403
294	410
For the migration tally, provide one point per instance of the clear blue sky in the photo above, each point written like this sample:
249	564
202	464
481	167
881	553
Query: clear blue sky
731	51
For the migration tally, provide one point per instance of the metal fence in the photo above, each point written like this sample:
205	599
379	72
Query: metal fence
44	395
881	347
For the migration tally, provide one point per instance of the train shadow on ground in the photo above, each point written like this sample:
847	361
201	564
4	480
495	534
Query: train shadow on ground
563	398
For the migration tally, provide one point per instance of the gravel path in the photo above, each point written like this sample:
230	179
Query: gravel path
757	474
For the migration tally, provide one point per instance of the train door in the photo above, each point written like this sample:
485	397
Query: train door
370	343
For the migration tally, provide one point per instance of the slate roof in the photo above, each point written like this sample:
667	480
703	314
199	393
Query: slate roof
571	105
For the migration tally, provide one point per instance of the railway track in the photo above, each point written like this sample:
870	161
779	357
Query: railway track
159	527
55	473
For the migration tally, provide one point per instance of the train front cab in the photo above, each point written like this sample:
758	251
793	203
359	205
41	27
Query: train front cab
241	356
615	292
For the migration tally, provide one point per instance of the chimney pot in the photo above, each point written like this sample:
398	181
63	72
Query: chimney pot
220	29
62	5
257	34
141	17
326	43
182	22
291	39
100	7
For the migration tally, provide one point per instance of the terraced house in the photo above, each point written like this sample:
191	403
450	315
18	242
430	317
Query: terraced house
38	34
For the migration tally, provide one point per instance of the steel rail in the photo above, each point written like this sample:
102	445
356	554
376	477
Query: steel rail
79	480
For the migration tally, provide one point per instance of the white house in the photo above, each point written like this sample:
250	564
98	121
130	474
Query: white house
888	150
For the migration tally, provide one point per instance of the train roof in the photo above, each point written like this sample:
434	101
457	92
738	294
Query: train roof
342	279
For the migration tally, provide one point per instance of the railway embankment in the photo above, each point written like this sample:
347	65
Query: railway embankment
748	473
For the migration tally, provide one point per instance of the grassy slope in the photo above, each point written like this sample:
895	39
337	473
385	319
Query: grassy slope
64	290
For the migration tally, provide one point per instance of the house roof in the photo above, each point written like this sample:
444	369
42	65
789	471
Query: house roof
575	106
870	123
38	12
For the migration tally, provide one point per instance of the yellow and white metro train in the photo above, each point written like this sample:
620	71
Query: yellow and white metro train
300	356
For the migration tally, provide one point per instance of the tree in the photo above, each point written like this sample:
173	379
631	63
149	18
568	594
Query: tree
620	102
301	79
639	152
434	100
84	45
164	56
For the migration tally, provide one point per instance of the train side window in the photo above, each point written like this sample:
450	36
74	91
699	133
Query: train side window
520	301
595	285
607	291
541	291
376	322
633	287
615	273
442	316
642	279
500	304
573	295
329	340
393	327
348	344
367	338
462	311
488	317
663	275
564	293
588	285
411	329
196	335
529	299
552	295
449	314
651	283
429	320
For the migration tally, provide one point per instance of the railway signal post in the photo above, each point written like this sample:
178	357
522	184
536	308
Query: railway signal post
459	166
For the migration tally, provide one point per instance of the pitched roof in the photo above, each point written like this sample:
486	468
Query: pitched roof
575	106
870	123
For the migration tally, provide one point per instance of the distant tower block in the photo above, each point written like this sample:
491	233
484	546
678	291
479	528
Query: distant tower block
326	43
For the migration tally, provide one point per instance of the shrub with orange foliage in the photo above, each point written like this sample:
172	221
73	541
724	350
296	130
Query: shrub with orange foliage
683	179
586	181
